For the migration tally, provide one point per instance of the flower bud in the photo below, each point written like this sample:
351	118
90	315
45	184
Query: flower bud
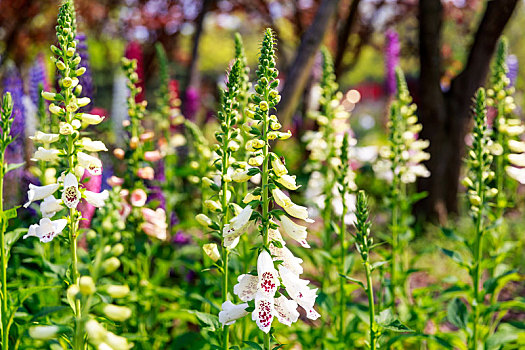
65	129
80	71
117	291
212	205
212	251
87	286
67	81
203	220
55	109
119	153
111	265
95	331
256	161
83	101
117	313
50	96
43	332
70	51
263	105
60	65
475	200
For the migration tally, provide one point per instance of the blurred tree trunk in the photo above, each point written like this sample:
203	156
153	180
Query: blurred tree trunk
344	34
300	69
446	115
193	69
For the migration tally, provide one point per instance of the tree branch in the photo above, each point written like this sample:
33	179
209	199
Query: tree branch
301	66
344	33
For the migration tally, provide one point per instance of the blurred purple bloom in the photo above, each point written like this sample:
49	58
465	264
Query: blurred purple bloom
191	103
181	238
13	83
156	195
86	80
392	50
174	219
37	76
513	65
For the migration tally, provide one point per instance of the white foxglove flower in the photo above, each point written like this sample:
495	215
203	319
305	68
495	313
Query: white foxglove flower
268	278
289	261
37	193
299	212
46	155
45	138
93	146
247	287
241	176
250	197
516	146
264	312
235	227
91	119
517	174
286	310
70	194
50	206
65	129
230	312
295	231
92	164
278	167
298	290
46	230
517	159
281	199
288	181
96	199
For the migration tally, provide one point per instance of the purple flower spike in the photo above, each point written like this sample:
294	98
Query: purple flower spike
392	50
13	83
191	103
86	80
37	77
513	65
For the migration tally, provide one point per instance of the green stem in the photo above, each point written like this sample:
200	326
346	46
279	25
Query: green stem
265	199
342	270
5	330
371	307
395	241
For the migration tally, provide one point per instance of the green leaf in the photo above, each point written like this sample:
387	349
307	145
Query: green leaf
493	283
378	264
47	310
387	320
11	213
457	313
13	166
353	280
12	236
454	256
252	345
210	321
501	337
450	234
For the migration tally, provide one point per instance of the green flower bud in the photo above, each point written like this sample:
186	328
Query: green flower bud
111	265
87	286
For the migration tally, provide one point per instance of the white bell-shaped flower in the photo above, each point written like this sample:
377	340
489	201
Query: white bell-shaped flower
268	277
46	155
37	193
286	310
299	291
92	164
46	230
230	312
236	227
96	199
70	194
50	206
247	287
295	231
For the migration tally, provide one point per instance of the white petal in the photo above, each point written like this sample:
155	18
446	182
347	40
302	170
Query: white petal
268	279
263	313
50	206
231	312
36	193
247	287
286	310
295	231
96	199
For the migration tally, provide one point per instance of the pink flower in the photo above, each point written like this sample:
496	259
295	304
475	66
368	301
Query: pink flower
138	197
115	181
146	173
125	209
119	153
152	156
155	223
124	193
147	136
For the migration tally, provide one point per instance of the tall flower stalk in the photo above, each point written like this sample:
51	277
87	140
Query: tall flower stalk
69	152
364	244
260	292
224	149
5	139
400	164
479	192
